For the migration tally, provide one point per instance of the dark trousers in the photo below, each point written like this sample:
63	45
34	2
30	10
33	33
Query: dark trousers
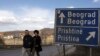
37	52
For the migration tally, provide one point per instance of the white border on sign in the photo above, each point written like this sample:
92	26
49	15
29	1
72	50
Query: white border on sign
98	44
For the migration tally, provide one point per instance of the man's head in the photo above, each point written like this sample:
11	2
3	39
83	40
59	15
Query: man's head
26	32
36	32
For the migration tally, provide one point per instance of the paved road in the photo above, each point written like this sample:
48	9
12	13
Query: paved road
47	51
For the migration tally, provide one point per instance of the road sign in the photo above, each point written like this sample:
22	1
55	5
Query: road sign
77	26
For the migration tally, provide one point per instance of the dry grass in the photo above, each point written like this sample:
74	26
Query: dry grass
13	41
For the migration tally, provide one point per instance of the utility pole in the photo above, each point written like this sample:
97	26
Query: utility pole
64	50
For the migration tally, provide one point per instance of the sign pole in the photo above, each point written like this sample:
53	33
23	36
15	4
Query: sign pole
63	49
90	51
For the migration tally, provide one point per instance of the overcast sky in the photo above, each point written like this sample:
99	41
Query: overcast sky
35	14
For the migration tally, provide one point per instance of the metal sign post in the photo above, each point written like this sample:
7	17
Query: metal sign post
64	50
90	51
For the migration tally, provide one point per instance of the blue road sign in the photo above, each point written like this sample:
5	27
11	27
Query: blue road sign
77	26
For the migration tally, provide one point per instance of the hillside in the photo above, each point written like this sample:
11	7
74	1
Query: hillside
10	36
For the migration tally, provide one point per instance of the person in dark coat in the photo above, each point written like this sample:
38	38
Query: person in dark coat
27	41
36	43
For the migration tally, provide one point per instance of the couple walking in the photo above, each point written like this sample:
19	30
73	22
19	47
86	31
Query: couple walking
31	44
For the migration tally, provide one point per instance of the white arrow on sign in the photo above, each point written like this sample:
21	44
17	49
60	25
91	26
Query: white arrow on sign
61	17
92	35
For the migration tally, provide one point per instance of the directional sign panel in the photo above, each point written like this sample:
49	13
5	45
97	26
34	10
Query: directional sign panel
77	26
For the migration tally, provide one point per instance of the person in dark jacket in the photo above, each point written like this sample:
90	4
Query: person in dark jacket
27	41
36	43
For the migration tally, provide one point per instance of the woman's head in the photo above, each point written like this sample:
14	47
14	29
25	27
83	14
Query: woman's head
36	32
